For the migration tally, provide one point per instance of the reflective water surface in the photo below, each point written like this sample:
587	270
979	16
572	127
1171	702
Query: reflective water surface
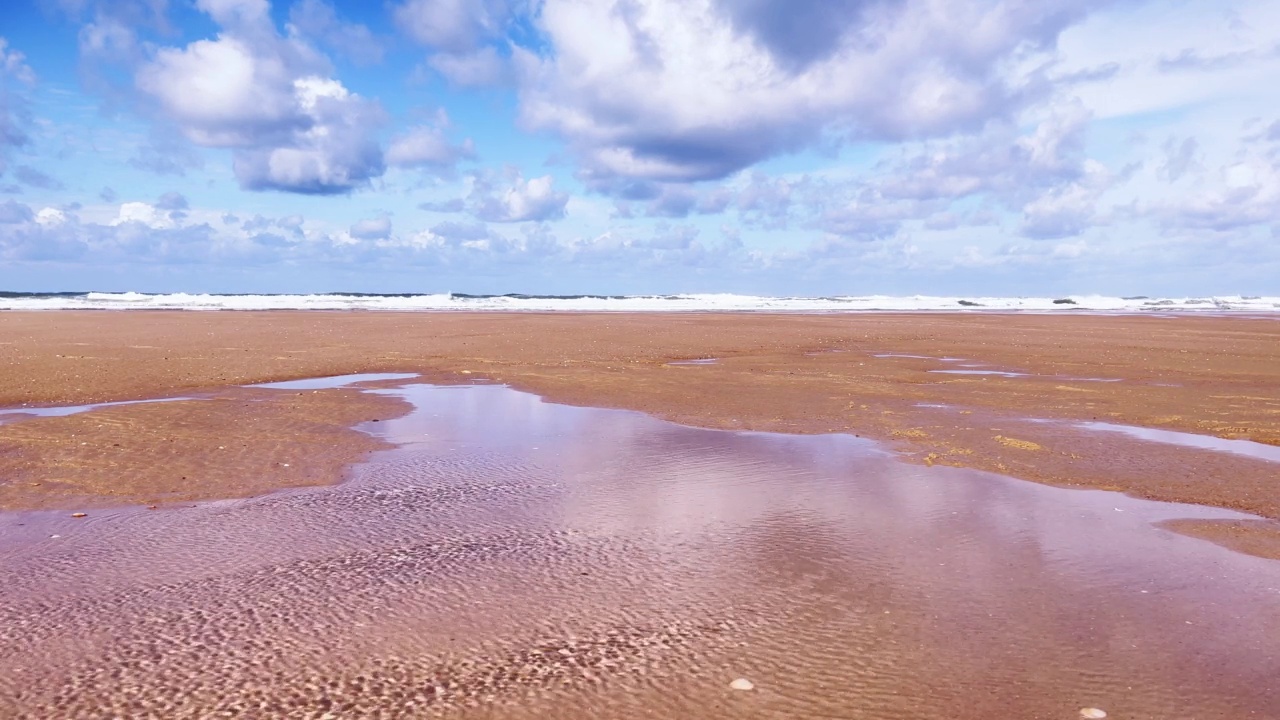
333	381
515	558
1246	448
14	414
696	361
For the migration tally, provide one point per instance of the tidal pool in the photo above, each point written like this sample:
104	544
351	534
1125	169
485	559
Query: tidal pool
516	558
1245	448
15	414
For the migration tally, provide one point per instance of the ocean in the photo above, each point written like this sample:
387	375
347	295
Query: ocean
702	302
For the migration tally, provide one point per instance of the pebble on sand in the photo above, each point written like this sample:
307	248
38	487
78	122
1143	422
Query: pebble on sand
742	684
78	515
1093	713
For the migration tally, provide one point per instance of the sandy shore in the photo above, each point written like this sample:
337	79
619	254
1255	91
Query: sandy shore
508	558
1217	376
511	558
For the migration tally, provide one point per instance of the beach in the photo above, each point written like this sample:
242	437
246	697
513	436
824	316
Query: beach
919	382
542	513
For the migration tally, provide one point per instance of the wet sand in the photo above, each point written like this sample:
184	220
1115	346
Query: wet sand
873	375
498	556
511	558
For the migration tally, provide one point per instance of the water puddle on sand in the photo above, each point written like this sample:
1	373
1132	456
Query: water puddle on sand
1245	448
333	382
9	415
1012	374
999	373
514	558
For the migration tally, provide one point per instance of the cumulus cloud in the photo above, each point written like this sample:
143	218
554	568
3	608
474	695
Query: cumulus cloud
453	26
166	153
475	236
767	201
51	216
679	201
270	100
146	214
15	212
664	247
676	90
32	177
473	69
999	159
1069	209
318	19
110	32
517	199
454	205
16	78
1038	170
1179	158
372	229
427	146
173	200
462	35
1237	194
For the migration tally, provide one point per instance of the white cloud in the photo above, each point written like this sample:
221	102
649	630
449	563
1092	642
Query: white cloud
372	229
13	64
319	20
453	26
427	146
144	213
223	93
680	90
15	114
1184	38
270	99
12	212
520	200
51	217
236	12
471	69
1067	210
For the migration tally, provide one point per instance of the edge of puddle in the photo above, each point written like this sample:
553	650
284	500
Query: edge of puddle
1224	532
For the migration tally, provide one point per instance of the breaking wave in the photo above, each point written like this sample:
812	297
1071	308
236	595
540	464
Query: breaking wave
711	302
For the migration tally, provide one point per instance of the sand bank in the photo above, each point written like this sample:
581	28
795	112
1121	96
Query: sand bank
872	375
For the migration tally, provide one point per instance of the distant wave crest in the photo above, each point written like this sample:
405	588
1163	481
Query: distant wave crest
710	302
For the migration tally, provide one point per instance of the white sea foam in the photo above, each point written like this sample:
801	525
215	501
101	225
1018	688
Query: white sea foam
640	303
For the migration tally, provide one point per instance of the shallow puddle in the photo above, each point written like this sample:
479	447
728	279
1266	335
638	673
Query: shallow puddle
333	382
514	558
8	415
1245	448
998	373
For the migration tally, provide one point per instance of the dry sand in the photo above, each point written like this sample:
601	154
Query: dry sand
1214	375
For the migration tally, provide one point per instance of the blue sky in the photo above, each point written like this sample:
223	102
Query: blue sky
805	147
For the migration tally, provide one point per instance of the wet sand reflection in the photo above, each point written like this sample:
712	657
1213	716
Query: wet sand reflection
515	558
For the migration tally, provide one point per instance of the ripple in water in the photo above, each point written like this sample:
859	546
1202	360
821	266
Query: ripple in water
515	558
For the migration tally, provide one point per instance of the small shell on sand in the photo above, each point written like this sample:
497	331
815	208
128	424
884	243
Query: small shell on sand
78	515
742	684
1093	713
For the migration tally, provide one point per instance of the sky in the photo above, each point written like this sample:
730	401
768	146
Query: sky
773	147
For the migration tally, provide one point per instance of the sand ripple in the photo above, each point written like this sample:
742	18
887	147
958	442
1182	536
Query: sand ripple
515	559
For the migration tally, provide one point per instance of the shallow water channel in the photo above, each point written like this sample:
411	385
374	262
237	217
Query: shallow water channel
516	558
